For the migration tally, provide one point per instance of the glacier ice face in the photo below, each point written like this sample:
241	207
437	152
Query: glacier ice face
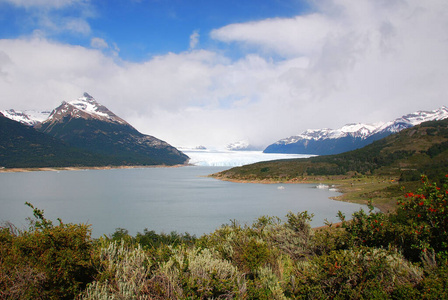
227	158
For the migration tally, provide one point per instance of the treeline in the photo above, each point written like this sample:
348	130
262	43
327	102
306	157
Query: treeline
401	255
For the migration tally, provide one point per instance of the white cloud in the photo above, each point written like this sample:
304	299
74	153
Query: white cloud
349	61
194	39
55	4
56	16
301	35
98	43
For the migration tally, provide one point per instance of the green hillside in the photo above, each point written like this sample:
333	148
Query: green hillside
22	146
422	149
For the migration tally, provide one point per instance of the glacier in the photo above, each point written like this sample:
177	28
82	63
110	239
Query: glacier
229	158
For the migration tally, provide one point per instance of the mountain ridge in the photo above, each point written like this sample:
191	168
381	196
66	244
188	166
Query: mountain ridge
422	149
27	117
352	136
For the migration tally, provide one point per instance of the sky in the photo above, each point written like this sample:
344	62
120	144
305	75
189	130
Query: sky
214	72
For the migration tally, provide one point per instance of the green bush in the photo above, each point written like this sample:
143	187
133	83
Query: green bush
364	273
419	224
47	261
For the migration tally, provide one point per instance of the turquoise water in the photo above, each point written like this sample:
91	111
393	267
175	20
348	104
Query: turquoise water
160	199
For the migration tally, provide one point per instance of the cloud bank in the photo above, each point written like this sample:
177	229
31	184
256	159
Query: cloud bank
346	61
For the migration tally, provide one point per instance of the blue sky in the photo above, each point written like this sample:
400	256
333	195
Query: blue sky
216	72
138	28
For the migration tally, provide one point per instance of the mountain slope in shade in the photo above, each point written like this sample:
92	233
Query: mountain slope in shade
351	136
21	146
88	125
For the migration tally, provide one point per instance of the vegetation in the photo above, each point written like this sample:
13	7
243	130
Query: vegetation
422	149
377	173
45	261
400	255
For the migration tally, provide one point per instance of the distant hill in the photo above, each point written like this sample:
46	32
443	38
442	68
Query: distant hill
22	146
351	136
422	149
88	125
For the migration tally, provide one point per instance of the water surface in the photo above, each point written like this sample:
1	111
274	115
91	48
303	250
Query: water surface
160	199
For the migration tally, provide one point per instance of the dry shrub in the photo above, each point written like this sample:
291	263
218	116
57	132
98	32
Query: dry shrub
202	274
124	273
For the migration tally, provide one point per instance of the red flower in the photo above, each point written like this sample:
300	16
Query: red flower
421	203
418	216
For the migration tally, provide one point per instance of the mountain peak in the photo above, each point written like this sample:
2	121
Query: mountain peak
87	96
84	107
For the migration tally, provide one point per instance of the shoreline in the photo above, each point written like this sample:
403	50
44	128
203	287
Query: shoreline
353	190
350	188
53	169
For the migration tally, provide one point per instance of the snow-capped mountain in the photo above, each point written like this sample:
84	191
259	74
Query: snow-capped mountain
27	117
351	136
85	107
241	146
88	125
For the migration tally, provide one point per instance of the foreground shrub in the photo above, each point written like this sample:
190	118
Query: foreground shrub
123	273
202	274
419	224
149	239
47	261
354	274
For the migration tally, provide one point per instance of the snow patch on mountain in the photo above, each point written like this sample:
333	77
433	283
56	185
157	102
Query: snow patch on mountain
363	131
84	107
27	117
88	104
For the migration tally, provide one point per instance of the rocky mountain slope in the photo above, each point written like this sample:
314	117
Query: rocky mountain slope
351	136
88	125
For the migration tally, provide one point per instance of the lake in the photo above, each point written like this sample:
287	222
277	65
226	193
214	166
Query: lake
161	199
